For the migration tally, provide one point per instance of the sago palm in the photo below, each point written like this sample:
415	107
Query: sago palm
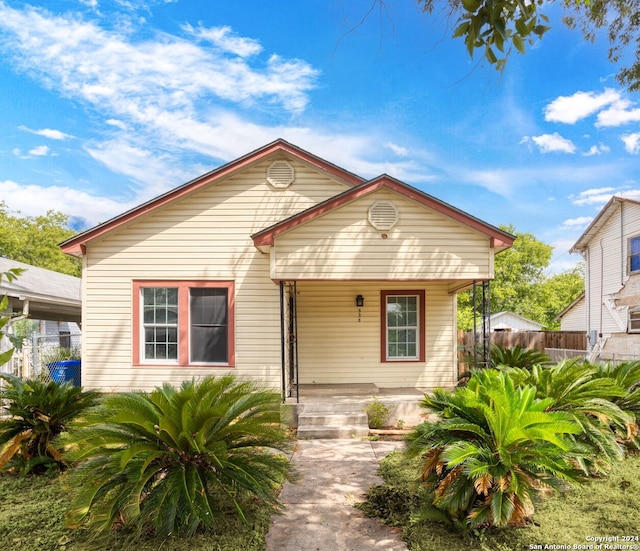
37	413
163	462
517	356
493	448
591	398
627	376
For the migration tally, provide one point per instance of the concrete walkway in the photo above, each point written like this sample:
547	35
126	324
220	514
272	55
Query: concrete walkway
333	475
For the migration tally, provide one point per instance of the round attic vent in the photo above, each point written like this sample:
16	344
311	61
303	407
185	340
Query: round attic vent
280	174
383	215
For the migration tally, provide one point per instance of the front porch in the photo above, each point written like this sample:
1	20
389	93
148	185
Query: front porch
338	408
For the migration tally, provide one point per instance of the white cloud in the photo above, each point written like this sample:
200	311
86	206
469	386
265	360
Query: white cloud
155	173
632	143
597	150
115	72
118	124
39	151
33	200
548	143
571	109
225	39
576	223
618	114
47	133
397	149
599	196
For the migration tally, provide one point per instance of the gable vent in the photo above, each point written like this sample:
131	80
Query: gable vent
280	174
383	215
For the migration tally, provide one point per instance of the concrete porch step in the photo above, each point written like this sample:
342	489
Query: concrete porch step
332	431
318	408
332	418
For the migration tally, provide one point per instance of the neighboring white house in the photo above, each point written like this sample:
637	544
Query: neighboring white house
283	268
574	316
509	321
52	298
610	247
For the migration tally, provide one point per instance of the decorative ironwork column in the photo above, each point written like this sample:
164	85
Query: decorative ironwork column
481	297
289	339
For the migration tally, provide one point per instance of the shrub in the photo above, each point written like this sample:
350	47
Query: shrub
495	447
165	462
627	376
589	396
517	357
377	413
38	412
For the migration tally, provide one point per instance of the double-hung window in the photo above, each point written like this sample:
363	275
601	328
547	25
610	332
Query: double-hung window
634	254
403	326
183	322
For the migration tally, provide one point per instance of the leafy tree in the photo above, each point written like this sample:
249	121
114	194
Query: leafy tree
495	27
167	462
9	275
34	240
38	412
522	286
494	447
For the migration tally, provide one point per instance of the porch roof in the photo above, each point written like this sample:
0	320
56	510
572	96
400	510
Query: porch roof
264	239
43	294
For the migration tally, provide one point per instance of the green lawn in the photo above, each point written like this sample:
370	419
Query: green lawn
32	512
32	519
605	507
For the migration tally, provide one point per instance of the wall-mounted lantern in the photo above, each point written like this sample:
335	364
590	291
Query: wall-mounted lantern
359	304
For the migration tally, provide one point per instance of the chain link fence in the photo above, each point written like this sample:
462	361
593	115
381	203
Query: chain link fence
49	357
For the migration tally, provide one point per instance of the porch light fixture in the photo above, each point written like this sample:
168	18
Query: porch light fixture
359	301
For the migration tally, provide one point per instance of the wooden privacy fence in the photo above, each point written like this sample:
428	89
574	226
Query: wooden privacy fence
558	345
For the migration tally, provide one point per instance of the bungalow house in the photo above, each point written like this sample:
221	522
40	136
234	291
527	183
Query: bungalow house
610	247
283	268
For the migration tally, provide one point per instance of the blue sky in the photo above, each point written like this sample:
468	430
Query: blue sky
106	104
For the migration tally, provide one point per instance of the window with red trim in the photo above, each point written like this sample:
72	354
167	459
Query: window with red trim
403	326
183	322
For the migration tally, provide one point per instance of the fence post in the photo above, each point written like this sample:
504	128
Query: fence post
34	356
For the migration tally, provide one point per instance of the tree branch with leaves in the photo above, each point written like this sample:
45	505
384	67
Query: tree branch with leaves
496	27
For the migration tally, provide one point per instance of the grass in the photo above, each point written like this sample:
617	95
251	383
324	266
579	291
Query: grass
32	513
603	507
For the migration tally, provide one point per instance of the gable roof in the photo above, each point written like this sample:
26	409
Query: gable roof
499	239
76	245
599	221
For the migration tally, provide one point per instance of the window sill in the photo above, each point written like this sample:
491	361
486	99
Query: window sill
184	366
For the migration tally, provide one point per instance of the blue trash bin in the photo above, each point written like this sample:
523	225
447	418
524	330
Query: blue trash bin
66	370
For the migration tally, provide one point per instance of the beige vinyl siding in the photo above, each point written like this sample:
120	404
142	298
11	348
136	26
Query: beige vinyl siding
343	245
202	237
334	347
